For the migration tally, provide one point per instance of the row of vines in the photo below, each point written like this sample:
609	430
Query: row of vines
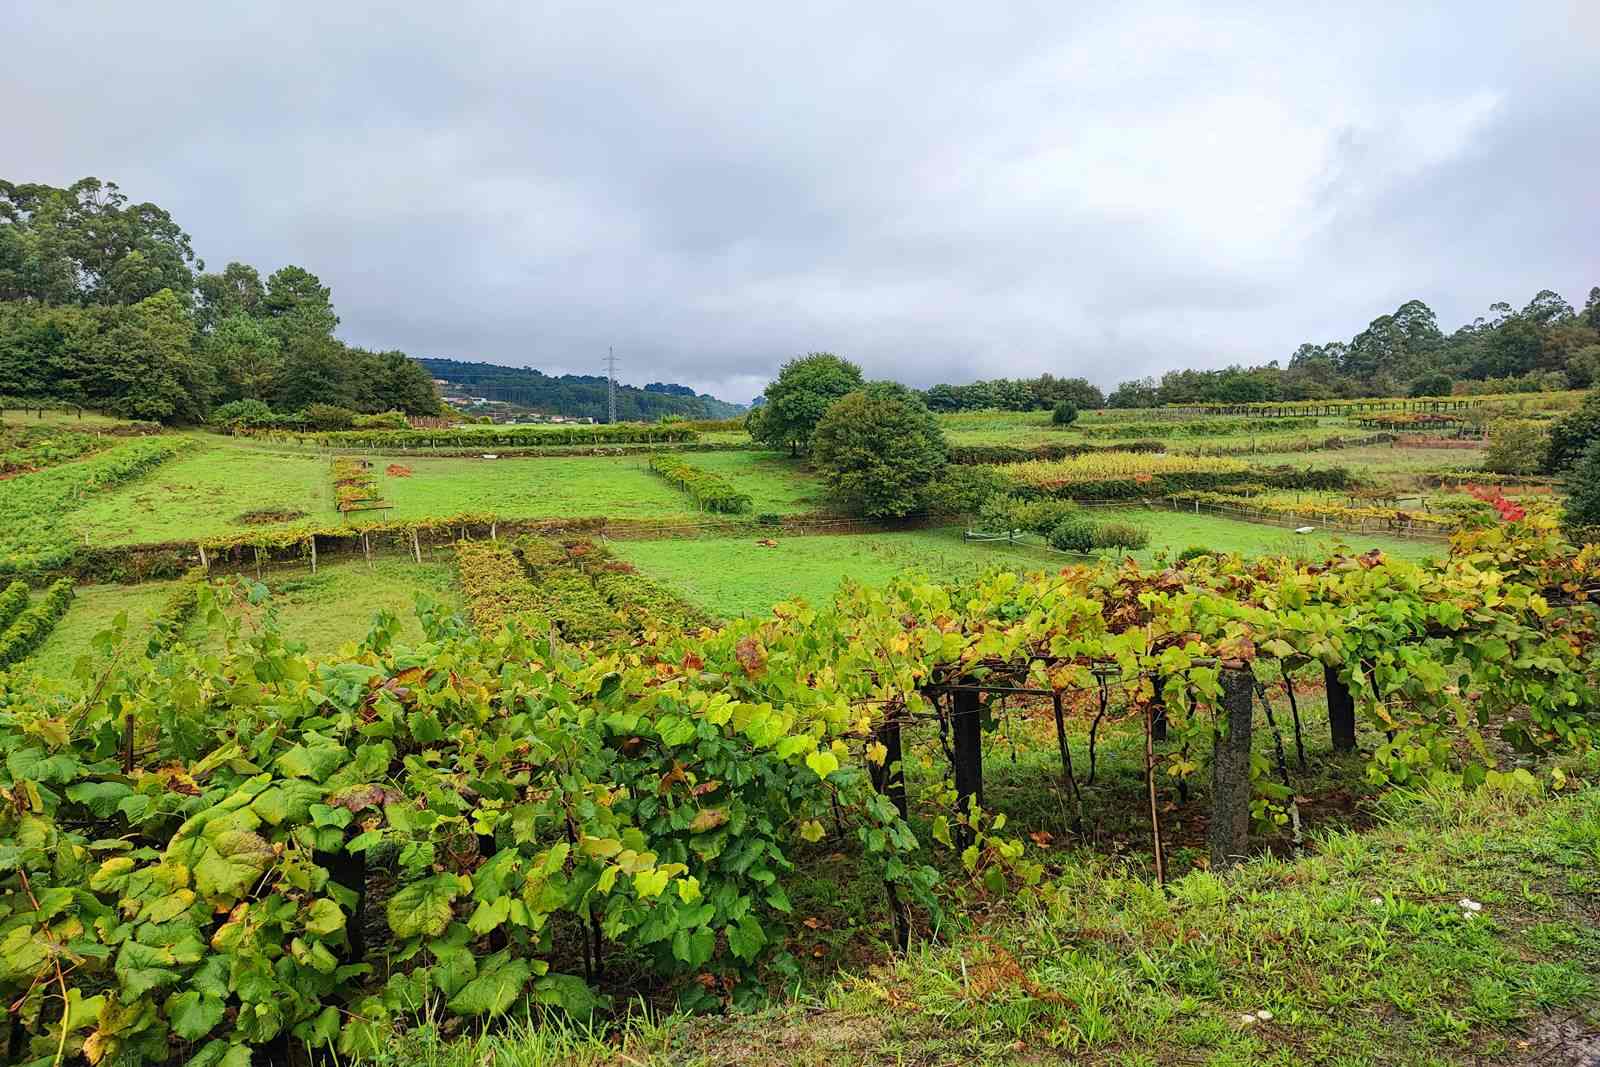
483	437
218	851
27	631
711	491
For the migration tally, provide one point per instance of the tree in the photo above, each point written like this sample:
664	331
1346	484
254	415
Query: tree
1591	309
1583	490
236	291
800	395
1516	446
878	448
1139	393
1065	414
1572	433
1435	384
147	366
296	301
86	244
248	359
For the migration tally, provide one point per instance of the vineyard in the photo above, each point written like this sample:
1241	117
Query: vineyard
619	749
488	810
35	505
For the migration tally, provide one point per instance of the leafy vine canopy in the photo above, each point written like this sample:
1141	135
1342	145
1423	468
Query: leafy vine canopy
184	851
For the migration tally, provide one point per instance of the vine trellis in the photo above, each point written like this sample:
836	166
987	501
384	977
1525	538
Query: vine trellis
191	838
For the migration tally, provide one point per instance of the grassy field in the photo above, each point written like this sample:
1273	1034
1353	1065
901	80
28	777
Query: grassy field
336	605
93	609
204	494
739	575
777	484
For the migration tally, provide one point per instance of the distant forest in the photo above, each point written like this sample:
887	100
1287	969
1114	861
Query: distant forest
1547	345
103	303
577	394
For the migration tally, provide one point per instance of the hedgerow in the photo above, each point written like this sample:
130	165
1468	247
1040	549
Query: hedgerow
999	454
711	491
177	612
1127	476
1153	428
28	631
489	436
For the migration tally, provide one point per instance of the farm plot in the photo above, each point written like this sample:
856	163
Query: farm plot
532	488
337	605
212	492
94	609
41	507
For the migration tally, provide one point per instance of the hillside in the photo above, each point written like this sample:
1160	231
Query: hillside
577	394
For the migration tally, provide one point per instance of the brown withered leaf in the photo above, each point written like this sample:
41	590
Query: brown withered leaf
750	657
705	787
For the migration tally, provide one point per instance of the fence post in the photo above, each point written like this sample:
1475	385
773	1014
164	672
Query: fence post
1229	833
967	731
1341	711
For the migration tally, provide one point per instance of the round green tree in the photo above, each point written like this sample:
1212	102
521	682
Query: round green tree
1066	413
878	448
798	398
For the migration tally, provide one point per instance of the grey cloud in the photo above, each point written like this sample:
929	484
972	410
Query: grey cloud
941	192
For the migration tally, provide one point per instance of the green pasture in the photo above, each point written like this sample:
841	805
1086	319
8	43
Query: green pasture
94	609
205	494
740	575
336	605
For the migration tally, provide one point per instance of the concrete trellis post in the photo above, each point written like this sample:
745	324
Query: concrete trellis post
1230	771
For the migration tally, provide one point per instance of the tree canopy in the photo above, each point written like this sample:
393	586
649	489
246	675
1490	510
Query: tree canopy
798	398
1546	345
878	448
103	303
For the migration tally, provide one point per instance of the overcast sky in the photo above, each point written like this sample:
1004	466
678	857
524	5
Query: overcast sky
940	191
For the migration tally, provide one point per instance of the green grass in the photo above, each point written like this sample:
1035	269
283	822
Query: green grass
613	486
204	493
336	605
777	484
737	575
94	607
1173	531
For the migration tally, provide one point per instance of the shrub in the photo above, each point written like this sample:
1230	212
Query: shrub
1065	414
1193	552
13	602
963	490
1431	385
1121	535
1571	434
385	420
176	612
34	625
1516	446
1072	535
1583	491
328	417
237	413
